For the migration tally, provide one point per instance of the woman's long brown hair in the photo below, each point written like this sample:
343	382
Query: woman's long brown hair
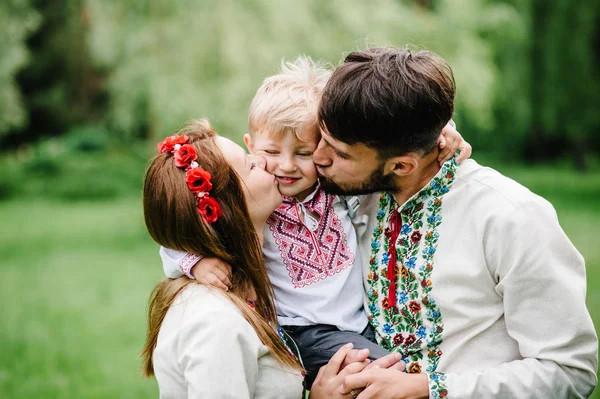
173	222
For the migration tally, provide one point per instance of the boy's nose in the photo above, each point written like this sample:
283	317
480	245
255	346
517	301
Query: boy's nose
287	165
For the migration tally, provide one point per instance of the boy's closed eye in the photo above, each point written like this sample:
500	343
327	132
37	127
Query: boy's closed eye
270	152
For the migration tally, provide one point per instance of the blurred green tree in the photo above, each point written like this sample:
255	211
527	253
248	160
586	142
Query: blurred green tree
549	80
17	20
565	76
527	70
170	61
62	88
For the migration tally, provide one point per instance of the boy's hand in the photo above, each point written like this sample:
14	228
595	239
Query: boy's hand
213	271
450	141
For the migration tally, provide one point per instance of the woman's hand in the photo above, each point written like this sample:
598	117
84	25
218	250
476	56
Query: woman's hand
450	141
331	376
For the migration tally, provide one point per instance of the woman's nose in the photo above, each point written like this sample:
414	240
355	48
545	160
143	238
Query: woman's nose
260	161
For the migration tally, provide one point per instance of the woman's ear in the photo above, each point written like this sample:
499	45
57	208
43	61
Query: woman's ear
248	142
401	166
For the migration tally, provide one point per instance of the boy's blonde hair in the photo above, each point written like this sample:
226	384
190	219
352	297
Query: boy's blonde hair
289	100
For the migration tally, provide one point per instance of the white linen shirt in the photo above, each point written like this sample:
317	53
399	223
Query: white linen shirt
493	303
305	295
207	349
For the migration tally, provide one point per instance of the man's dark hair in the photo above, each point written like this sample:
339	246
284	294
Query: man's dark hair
393	100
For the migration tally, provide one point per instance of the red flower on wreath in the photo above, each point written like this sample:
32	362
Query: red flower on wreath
210	209
198	180
185	155
168	144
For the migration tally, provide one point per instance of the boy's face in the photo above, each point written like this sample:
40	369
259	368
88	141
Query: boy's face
289	159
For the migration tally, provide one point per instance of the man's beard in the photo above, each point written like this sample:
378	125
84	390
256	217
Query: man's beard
376	182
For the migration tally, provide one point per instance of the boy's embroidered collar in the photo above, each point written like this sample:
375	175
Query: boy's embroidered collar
308	198
317	202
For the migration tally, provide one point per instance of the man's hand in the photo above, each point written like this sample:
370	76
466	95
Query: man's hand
213	271
330	377
392	361
450	141
355	356
381	383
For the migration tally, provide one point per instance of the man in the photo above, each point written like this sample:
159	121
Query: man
468	275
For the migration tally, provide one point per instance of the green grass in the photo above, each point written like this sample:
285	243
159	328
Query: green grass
75	282
75	278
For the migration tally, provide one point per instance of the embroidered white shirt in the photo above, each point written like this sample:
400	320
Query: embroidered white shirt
493	303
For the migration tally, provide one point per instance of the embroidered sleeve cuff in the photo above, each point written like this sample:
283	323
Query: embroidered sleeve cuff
187	262
437	385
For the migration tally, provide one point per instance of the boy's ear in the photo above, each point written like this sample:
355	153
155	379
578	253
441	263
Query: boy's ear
401	166
248	142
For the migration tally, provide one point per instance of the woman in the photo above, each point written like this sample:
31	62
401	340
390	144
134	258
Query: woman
203	194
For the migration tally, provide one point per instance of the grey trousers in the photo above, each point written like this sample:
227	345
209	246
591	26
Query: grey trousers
319	342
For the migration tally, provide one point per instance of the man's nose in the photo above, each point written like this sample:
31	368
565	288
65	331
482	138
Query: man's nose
320	156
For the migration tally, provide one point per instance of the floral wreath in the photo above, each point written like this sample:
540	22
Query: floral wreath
198	179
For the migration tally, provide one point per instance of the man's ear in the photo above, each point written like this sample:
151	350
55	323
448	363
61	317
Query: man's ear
402	166
248	142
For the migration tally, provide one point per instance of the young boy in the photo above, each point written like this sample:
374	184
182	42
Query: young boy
310	245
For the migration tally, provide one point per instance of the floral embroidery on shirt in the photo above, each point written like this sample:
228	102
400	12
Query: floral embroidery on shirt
437	385
310	256
401	308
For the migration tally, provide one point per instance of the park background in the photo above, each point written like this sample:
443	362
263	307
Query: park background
87	87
